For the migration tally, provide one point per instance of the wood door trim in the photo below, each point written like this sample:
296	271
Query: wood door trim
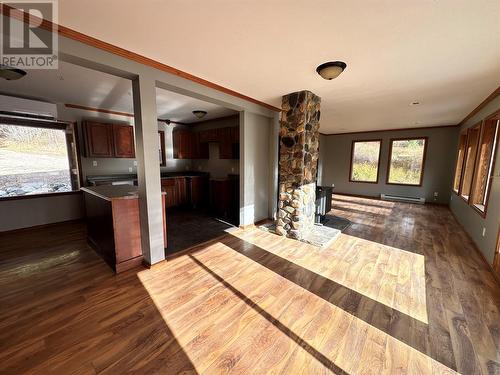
20	15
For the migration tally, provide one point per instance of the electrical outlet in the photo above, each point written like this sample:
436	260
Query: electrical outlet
232	170
436	194
130	169
484	231
199	167
135	163
94	163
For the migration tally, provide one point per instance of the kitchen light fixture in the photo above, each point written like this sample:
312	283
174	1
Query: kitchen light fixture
199	113
331	69
10	74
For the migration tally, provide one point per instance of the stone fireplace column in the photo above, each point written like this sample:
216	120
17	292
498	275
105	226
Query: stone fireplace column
298	156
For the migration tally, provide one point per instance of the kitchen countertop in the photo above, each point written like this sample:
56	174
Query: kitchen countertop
133	176
183	174
110	192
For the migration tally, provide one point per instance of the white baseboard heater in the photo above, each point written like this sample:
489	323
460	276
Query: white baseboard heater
401	198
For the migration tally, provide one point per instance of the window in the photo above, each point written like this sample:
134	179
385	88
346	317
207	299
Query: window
470	160
484	165
36	159
406	161
365	157
462	145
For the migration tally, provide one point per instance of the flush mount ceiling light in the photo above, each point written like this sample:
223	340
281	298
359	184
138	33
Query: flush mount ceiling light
331	69
10	74
200	114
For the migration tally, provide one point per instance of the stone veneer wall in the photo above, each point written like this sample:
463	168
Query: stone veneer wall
299	152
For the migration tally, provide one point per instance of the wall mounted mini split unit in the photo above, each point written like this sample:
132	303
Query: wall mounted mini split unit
401	198
20	107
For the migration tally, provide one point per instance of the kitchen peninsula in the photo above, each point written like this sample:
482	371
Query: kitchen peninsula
113	224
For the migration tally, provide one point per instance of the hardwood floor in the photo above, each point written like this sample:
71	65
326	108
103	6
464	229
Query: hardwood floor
402	291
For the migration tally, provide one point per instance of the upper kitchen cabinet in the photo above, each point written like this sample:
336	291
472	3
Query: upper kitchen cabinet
235	134
108	140
98	139
123	140
194	145
209	135
182	144
199	148
225	143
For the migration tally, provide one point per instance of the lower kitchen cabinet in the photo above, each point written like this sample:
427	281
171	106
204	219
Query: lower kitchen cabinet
220	197
224	198
181	191
168	186
186	191
198	186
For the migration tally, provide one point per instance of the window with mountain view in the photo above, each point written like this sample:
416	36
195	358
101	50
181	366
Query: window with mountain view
406	161
365	156
34	160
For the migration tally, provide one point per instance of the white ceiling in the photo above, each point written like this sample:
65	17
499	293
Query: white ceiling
443	53
77	85
176	107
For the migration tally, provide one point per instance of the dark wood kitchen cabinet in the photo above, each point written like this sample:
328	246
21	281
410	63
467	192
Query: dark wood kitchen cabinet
108	140
181	191
98	139
198	187
182	144
199	148
235	134
220	197
168	186
113	224
225	144
194	145
123	141
224	198
209	135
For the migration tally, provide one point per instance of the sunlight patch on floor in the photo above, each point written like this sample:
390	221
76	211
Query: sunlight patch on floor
391	276
250	320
